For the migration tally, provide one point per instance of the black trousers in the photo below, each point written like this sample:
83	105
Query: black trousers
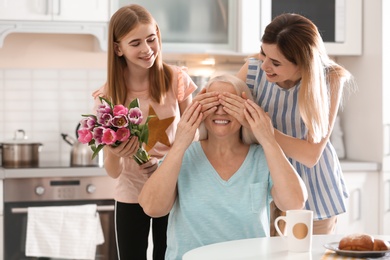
132	232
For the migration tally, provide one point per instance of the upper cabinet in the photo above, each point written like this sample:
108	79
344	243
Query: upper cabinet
55	10
339	21
230	27
236	26
206	26
55	16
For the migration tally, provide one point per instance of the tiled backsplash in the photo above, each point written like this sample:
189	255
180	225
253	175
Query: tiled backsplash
45	103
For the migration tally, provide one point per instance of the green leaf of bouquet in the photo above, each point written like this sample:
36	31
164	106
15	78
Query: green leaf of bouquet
137	160
96	151
148	118
135	132
145	135
134	103
89	115
106	100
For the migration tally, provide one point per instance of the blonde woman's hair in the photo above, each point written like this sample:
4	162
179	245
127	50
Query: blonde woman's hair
240	86
122	22
298	39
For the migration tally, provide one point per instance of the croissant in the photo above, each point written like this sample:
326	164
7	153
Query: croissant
363	242
381	245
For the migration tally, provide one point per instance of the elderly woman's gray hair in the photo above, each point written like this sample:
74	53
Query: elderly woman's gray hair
240	86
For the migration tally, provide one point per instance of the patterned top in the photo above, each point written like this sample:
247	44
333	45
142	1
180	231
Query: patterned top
162	130
209	209
325	182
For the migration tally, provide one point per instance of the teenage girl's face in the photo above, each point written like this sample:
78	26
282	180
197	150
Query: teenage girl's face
277	68
219	123
140	46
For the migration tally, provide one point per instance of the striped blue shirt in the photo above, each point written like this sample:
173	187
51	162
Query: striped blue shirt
325	182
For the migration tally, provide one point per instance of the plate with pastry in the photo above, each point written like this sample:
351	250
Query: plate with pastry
360	245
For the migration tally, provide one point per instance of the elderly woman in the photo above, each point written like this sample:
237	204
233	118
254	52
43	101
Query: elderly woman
219	188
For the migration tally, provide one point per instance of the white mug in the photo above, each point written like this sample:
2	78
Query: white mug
299	229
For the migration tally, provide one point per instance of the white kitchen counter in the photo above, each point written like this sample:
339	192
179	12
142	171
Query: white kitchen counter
51	172
347	165
359	166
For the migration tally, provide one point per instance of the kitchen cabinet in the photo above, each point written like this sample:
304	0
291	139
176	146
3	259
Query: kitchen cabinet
230	27
1	219
55	10
362	208
339	22
56	16
1	237
385	203
366	115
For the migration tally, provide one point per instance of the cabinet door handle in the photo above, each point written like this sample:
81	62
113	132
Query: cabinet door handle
59	8
388	196
356	197
56	7
386	142
98	208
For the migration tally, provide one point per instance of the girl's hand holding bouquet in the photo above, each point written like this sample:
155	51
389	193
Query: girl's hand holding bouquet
113	125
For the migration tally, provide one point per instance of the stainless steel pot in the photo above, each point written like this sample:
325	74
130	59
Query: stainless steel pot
20	153
81	154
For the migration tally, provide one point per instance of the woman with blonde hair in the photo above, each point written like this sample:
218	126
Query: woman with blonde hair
300	87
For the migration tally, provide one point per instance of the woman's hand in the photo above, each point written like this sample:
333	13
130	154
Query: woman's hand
149	167
234	105
208	100
125	149
259	122
188	124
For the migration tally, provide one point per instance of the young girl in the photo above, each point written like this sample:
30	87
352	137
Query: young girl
300	87
136	70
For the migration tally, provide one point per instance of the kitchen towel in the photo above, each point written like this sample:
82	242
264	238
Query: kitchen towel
68	232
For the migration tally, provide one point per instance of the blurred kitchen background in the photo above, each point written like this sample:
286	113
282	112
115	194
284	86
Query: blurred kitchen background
51	64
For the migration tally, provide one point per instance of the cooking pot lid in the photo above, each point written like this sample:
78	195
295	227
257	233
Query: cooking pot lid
12	142
20	137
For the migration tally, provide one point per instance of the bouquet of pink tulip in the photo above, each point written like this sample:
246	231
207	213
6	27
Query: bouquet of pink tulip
114	124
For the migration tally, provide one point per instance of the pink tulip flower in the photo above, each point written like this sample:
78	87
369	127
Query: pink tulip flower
109	136
85	136
120	121
135	116
120	110
98	135
123	134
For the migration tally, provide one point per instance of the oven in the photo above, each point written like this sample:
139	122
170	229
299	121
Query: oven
21	193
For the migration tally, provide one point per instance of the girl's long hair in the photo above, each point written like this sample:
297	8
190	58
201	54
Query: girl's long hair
160	76
299	40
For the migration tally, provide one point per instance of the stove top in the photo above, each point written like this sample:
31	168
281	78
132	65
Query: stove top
49	164
51	169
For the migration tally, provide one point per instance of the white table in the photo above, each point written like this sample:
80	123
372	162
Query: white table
273	248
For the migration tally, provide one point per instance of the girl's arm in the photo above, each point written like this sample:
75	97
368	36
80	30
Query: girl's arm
159	192
305	151
113	156
288	191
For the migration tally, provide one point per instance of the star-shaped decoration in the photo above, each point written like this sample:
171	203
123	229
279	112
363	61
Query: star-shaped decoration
157	130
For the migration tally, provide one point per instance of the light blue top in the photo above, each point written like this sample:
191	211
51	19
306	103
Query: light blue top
209	209
325	182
